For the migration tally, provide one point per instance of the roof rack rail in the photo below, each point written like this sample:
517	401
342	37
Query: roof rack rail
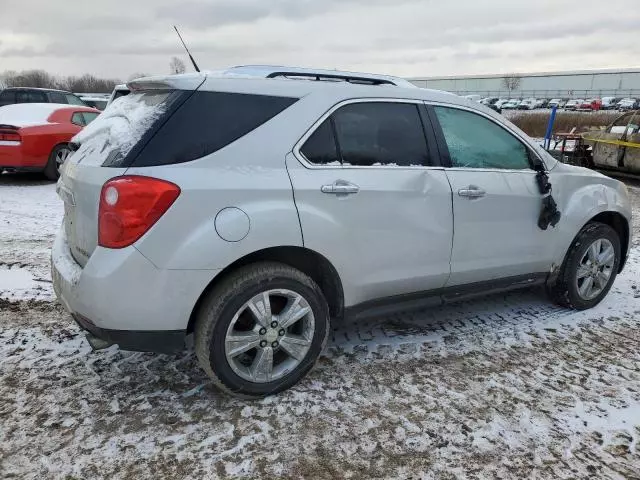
329	76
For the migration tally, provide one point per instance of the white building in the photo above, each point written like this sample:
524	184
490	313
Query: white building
575	84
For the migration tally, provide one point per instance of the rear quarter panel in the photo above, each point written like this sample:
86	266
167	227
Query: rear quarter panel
249	174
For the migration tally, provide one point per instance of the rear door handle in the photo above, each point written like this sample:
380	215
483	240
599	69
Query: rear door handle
340	187
472	192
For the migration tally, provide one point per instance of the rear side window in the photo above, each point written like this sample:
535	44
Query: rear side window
78	119
30	96
89	117
207	122
476	142
320	148
380	133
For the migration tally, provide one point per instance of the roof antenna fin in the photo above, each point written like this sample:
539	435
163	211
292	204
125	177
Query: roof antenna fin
195	65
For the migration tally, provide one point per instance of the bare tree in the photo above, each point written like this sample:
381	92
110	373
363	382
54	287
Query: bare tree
177	66
511	82
39	78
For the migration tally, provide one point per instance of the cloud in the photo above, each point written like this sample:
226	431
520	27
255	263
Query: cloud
403	37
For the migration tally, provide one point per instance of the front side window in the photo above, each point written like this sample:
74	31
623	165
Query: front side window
380	133
73	100
476	142
57	97
620	124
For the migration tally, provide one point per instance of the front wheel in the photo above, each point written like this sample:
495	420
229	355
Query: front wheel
261	329
589	269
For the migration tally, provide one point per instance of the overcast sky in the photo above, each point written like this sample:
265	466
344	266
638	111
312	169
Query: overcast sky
116	38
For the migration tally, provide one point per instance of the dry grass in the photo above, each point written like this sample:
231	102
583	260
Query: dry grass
535	123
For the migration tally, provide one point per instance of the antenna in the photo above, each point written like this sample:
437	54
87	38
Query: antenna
195	65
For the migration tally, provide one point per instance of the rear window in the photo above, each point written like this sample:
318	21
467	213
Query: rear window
207	122
113	135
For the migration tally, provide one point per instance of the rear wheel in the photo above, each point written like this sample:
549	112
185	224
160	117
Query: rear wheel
261	330
589	269
56	159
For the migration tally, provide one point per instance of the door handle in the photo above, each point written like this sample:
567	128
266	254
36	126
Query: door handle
472	192
340	187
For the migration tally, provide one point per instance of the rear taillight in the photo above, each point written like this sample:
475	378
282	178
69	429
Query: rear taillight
10	136
129	206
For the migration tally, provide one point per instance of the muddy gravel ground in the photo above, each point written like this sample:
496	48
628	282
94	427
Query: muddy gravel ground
509	386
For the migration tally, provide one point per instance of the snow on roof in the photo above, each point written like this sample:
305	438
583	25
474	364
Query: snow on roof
28	114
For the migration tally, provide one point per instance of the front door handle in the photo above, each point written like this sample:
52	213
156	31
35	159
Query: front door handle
340	187
472	192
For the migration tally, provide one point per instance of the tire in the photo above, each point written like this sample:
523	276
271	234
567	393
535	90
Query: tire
565	290
224	312
52	169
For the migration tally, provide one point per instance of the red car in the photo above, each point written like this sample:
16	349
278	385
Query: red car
35	136
591	104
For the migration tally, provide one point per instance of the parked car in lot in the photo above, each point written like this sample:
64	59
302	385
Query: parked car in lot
527	104
99	103
35	136
252	212
118	91
618	146
573	104
628	104
511	104
12	95
501	102
556	102
489	100
592	104
610	103
541	103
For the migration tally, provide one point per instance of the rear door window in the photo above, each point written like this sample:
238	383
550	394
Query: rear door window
320	148
381	133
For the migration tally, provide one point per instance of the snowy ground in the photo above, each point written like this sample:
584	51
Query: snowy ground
506	387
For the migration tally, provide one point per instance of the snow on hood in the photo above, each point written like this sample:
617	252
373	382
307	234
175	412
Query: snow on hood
28	114
119	127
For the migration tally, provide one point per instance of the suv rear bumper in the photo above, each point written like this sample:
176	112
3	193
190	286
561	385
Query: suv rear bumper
121	298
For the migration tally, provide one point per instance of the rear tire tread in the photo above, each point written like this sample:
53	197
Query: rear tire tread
221	294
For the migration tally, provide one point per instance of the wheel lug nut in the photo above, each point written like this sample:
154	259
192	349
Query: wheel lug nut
263	331
274	324
281	332
263	343
274	344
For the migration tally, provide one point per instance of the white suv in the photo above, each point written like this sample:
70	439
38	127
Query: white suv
249	212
